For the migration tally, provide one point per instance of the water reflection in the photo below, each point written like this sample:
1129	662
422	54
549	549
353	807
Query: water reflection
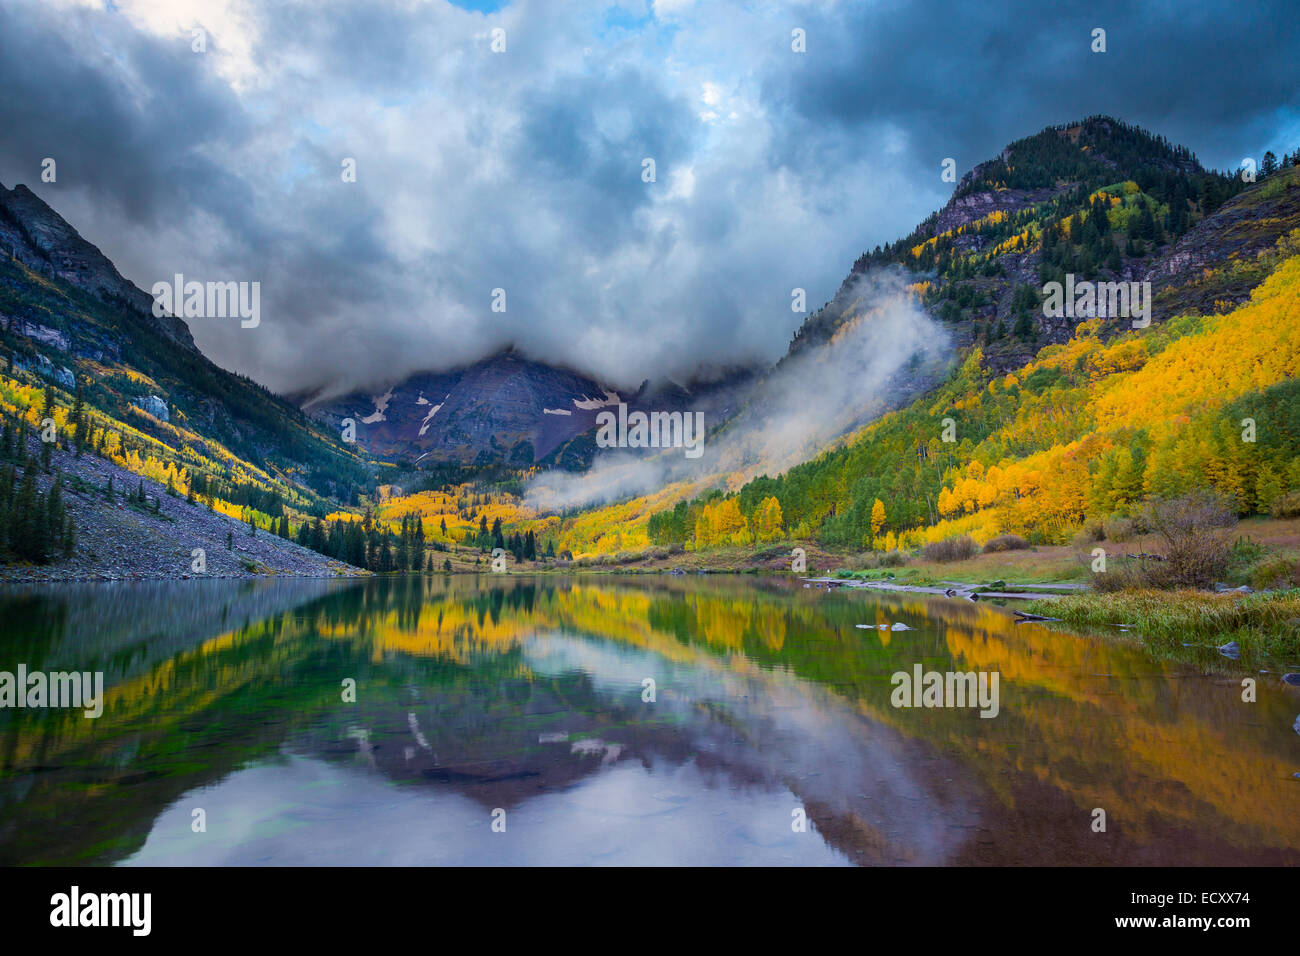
478	694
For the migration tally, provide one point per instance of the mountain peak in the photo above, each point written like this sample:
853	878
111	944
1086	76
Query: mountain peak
43	241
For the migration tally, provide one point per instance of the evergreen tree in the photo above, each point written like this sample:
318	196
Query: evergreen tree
1024	327
54	513
27	526
79	423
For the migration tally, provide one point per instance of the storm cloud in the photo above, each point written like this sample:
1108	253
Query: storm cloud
522	170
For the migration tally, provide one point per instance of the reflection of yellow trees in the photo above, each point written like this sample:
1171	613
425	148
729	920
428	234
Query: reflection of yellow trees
171	692
447	631
723	623
1126	752
456	628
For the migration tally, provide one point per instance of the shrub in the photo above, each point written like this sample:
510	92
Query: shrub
1286	506
1092	530
893	559
951	549
1196	530
1118	529
1006	542
1278	573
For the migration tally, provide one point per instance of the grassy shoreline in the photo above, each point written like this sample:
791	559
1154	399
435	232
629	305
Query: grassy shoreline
1266	623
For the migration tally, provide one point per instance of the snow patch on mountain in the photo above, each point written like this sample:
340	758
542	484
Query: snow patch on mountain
588	404
424	425
381	406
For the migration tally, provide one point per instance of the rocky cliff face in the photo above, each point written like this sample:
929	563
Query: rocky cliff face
43	241
1246	225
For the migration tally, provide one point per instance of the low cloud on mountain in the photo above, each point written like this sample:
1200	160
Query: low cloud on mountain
809	400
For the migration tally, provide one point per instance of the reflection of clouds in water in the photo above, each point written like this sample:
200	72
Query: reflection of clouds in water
303	812
612	668
781	729
765	742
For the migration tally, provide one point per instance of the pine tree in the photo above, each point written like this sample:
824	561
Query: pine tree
27	526
54	513
79	422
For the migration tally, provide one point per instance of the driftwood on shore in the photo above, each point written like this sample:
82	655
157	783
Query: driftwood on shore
1022	617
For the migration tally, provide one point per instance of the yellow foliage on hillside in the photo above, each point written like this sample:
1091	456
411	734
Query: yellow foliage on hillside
1250	348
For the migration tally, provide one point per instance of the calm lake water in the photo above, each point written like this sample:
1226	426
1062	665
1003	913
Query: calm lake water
521	702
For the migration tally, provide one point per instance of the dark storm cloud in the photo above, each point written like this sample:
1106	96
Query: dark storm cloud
100	99
522	170
964	79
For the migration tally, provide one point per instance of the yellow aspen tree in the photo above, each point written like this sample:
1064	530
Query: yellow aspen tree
877	517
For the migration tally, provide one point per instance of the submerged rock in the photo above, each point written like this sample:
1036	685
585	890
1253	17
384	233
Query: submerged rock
1293	679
